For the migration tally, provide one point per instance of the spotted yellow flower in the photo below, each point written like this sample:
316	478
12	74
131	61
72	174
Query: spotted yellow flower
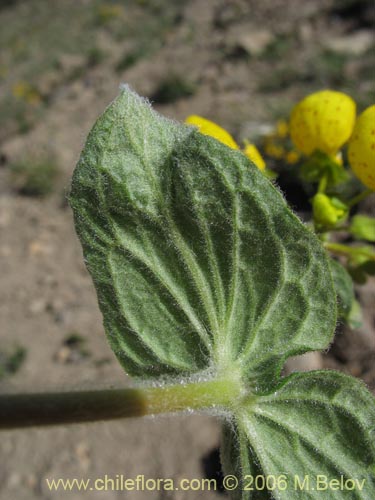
251	151
210	128
282	129
273	149
361	150
292	157
322	121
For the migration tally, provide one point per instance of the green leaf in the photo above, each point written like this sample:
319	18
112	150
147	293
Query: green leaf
362	259
202	269
197	260
355	317
363	227
309	426
344	288
360	269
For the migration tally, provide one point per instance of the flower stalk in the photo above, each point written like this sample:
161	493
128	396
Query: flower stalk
53	408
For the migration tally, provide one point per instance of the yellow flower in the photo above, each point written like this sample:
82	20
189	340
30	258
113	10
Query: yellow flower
361	150
251	151
274	150
21	89
210	128
108	12
25	92
292	157
322	121
282	129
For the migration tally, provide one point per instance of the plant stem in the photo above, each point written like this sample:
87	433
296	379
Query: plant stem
360	197
340	249
323	184
42	409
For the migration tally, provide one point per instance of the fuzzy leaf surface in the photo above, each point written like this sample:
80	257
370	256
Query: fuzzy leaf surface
344	288
316	424
197	260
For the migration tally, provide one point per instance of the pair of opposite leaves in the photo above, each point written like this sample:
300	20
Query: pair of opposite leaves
202	270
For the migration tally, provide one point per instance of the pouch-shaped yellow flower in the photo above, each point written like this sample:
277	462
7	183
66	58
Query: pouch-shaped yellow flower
253	154
361	149
322	121
210	128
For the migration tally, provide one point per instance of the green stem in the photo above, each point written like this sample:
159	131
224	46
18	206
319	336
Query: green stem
340	249
323	184
359	197
42	409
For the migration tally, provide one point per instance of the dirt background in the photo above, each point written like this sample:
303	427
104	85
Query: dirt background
241	63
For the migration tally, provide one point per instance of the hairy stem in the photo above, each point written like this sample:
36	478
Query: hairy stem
341	249
361	196
323	184
42	409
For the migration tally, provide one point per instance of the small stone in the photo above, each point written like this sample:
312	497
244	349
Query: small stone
63	355
70	63
14	480
39	248
31	481
48	82
356	43
37	306
305	32
255	42
82	453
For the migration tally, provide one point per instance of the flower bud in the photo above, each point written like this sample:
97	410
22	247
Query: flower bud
327	211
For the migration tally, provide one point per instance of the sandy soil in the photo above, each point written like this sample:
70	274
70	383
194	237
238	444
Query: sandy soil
46	294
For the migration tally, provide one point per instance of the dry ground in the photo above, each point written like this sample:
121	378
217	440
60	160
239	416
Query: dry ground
47	302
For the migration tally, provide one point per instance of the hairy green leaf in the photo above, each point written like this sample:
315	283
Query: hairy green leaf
355	316
363	227
344	288
197	260
310	433
201	268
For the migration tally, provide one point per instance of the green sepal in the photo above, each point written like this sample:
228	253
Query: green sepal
320	165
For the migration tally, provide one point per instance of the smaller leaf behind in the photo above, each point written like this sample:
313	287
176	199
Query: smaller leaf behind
363	227
344	289
316	423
